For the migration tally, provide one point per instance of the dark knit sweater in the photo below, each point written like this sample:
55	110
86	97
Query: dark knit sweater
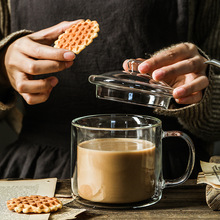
127	31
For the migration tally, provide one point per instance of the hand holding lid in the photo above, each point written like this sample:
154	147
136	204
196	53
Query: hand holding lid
132	87
182	67
178	71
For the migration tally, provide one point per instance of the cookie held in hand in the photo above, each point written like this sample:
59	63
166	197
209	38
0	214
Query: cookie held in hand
78	36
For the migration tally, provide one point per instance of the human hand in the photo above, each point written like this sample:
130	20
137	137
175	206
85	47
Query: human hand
182	67
33	55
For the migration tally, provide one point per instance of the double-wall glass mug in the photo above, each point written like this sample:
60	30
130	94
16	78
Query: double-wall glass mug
117	160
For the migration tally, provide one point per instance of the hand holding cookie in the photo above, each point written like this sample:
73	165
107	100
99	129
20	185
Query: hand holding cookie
33	55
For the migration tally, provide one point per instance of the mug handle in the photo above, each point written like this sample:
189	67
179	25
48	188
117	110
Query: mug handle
191	160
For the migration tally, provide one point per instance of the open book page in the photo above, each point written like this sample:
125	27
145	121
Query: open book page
13	189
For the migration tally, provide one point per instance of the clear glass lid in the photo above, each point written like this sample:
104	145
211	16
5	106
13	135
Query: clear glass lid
132	87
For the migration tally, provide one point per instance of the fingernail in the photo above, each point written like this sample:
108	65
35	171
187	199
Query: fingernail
178	92
143	68
53	82
69	55
177	100
158	75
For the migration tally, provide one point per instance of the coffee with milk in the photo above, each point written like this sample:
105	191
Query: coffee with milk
116	170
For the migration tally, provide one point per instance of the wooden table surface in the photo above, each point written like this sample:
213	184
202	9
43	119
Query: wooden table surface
186	201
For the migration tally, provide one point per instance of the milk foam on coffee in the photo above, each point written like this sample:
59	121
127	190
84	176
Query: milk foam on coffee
116	170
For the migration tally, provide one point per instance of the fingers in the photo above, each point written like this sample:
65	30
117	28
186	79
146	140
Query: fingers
37	45
40	51
168	56
183	68
191	99
36	86
33	58
49	35
39	67
192	65
36	91
33	99
191	92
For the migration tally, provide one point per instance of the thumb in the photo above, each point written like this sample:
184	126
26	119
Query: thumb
49	35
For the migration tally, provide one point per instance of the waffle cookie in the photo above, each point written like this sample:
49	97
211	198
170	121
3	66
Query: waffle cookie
34	204
77	37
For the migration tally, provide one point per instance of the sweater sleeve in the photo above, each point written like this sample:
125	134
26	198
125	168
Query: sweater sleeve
203	118
7	94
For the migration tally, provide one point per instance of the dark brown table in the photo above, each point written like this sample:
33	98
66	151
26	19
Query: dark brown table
186	201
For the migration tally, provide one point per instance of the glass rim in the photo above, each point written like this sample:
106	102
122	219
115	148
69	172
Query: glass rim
158	122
